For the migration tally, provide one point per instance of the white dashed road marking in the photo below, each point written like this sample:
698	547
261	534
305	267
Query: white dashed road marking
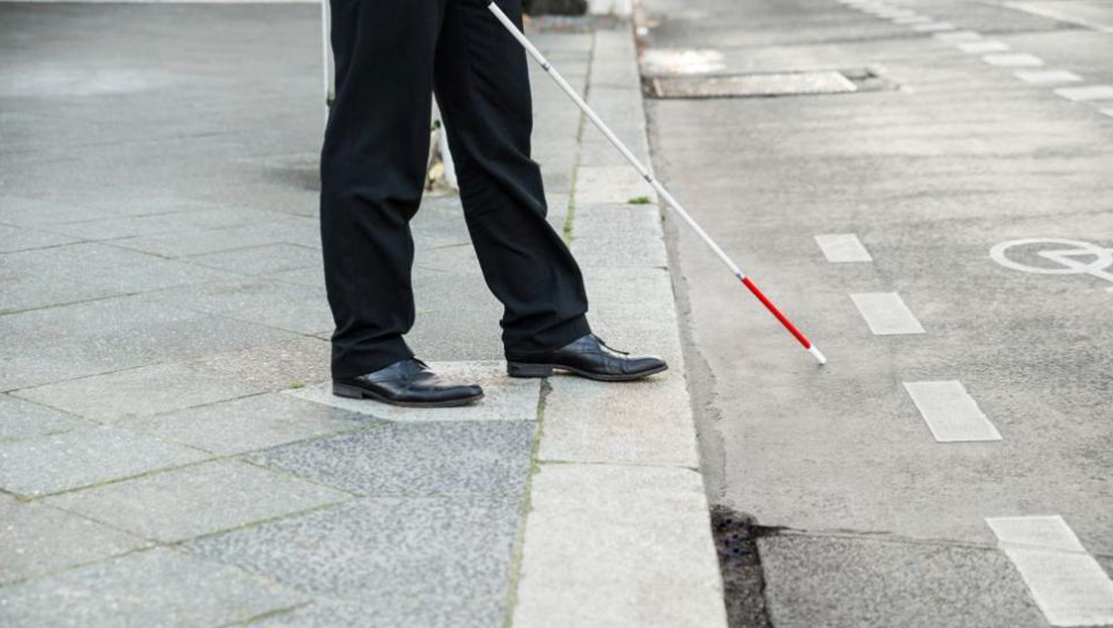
1087	92
1017	60
950	412
981	47
933	27
1047	77
886	313
1108	112
843	247
1066	582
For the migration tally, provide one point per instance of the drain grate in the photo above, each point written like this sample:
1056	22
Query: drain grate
756	85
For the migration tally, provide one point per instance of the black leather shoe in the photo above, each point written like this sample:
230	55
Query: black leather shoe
587	357
407	383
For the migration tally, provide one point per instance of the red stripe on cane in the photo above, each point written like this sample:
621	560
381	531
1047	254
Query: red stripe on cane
777	313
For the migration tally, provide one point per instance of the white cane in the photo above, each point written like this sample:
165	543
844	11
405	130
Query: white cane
661	191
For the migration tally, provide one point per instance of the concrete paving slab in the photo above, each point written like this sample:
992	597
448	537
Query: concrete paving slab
1013	60
105	228
20	418
597	422
459	335
505	398
249	424
185	503
19	210
23	238
415	459
184	243
84	457
259	260
843	582
128	204
1086	92
609	184
380	554
603	542
36	540
132	393
158	587
67	342
59	275
272	366
1047	77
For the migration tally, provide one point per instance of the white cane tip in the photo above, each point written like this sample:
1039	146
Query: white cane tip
817	354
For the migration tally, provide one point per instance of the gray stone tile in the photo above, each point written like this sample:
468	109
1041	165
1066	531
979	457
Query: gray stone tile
452	259
18	210
23	238
83	457
193	501
602	542
417	562
653	334
609	184
296	308
159	587
36	540
505	398
131	226
248	424
442	292
410	459
67	342
463	334
196	241
65	274
23	419
271	258
121	204
311	276
137	392
645	422
273	366
244	229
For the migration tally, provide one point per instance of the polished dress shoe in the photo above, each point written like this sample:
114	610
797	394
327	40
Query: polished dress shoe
407	383
587	357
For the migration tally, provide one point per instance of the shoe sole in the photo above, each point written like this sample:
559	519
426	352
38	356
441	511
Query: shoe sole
355	392
519	369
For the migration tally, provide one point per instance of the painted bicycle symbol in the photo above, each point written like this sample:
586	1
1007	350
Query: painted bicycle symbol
1066	257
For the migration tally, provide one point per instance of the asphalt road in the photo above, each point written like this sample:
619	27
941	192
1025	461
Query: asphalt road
883	524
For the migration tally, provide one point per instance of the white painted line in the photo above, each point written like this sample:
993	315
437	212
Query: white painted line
892	14
1047	77
886	313
1065	581
914	19
1108	112
933	27
982	47
1088	92
1016	60
958	37
950	412
842	247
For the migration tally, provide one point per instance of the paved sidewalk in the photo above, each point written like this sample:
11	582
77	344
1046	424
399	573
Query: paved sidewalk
168	456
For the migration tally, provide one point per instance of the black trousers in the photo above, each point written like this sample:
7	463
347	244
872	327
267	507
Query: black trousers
391	56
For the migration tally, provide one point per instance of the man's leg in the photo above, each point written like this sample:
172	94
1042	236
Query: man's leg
373	172
482	86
